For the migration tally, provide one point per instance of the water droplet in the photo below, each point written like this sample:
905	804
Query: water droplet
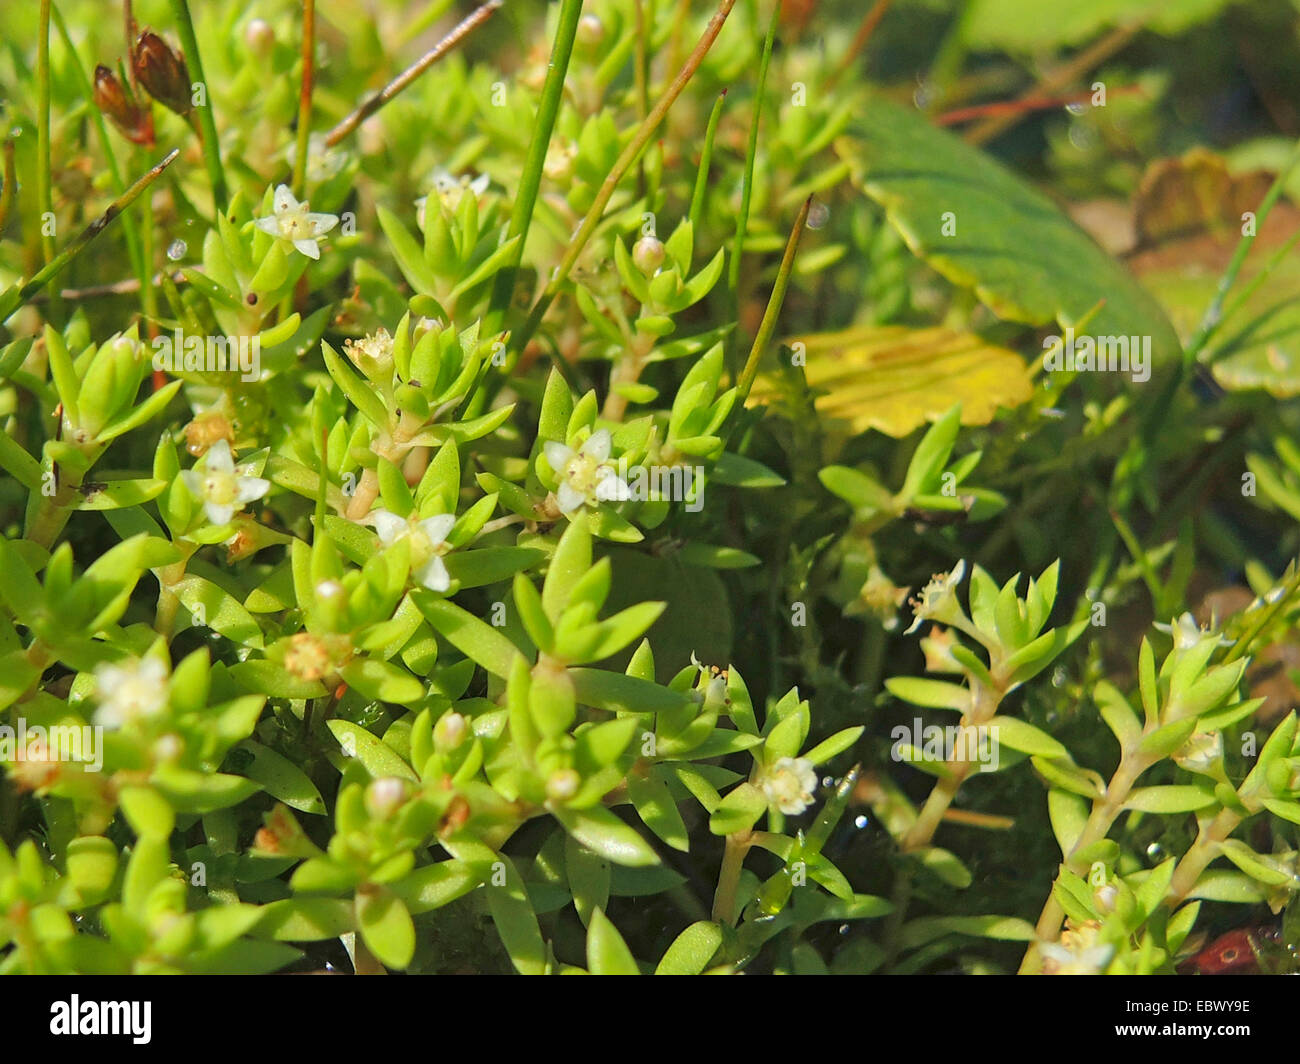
843	929
828	781
860	822
1082	137
818	215
922	96
176	250
1156	852
1076	108
1059	676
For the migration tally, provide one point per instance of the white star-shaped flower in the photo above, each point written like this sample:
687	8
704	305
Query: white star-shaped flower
586	475
1187	633
715	691
130	692
222	489
449	189
790	784
428	542
938	598
294	223
1201	752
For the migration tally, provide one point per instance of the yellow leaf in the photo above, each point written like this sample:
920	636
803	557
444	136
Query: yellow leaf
894	379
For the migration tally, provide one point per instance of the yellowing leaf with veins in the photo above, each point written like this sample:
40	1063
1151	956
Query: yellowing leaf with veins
894	379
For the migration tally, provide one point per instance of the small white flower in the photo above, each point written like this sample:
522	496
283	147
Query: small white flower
1084	960
790	784
428	541
294	223
586	475
938	598
220	487
450	189
1201	752
715	693
372	354
130	692
1187	633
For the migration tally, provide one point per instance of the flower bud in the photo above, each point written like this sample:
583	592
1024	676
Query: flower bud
383	796
648	254
162	72
562	785
260	37
449	732
561	160
168	748
134	121
591	31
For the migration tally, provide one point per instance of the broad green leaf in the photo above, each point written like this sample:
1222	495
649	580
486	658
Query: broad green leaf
1020	253
281	778
379	759
512	911
436	885
655	806
834	745
1019	735
307	919
1260	868
1173	799
475	568
147	811
211	607
947	866
382	681
1068	813
617	692
201	792
692	950
386	927
607	953
738	811
932	694
605	834
474	638
588	876
1221	884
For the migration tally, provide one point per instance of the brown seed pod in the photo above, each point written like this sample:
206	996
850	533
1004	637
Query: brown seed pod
162	72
